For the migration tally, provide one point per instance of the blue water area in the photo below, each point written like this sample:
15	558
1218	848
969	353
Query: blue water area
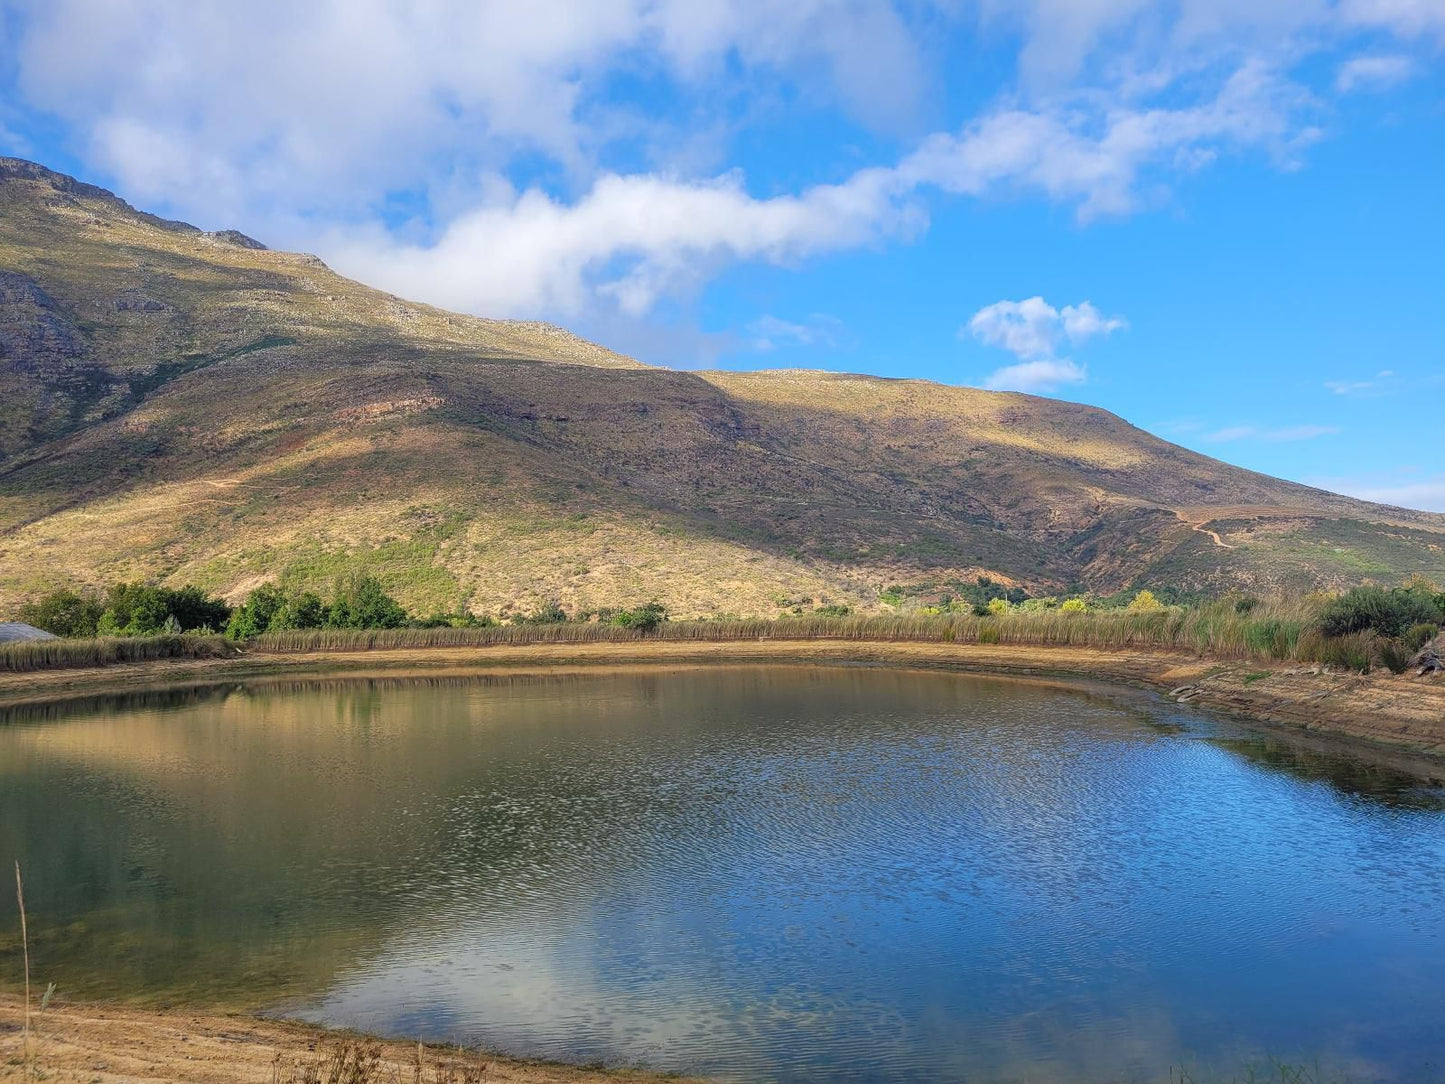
764	873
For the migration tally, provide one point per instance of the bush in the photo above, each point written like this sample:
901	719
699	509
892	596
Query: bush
1074	606
254	616
138	609
550	614
361	603
1354	651
65	613
1396	655
1388	612
269	609
644	618
1145	603
998	607
1420	635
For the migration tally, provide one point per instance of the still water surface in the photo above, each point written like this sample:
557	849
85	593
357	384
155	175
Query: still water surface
758	873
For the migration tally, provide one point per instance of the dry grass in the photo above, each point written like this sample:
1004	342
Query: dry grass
28	655
1274	631
363	1061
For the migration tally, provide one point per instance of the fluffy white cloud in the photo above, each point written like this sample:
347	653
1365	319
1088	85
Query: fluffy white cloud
1036	376
1034	331
217	107
383	132
1033	328
1095	157
630	239
633	238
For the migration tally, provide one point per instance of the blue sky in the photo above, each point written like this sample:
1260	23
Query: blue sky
1220	219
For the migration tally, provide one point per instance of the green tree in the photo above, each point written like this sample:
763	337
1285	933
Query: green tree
140	609
256	614
65	613
362	603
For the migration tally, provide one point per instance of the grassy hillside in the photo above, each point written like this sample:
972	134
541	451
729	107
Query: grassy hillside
192	407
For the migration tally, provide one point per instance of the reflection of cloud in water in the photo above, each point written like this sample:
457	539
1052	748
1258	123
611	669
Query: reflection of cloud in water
571	997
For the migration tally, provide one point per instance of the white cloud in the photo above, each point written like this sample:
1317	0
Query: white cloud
1373	73
1034	330
331	104
633	238
768	333
1272	436
1407	18
1383	381
1426	496
1036	376
1095	158
1424	493
299	123
629	240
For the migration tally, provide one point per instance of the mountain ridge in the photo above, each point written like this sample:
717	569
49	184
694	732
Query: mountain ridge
184	406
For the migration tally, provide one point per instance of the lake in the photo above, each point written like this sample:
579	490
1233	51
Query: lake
772	873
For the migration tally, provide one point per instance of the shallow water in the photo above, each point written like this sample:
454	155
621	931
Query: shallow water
758	873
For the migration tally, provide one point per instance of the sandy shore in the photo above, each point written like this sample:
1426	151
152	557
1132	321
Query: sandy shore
1388	713
112	1044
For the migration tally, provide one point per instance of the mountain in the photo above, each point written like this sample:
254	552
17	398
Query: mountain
194	407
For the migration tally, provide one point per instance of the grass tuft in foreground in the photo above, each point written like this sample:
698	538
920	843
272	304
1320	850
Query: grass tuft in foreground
361	1061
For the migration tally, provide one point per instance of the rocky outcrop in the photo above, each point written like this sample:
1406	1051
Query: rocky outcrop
1431	659
35	333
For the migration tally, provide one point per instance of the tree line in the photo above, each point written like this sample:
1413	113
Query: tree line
357	602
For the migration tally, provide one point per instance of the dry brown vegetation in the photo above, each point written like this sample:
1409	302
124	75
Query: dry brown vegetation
28	655
178	407
1282	630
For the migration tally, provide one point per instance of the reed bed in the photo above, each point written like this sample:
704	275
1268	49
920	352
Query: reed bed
25	655
1284	630
1277	631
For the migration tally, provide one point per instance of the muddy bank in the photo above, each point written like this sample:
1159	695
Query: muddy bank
112	1044
1403	713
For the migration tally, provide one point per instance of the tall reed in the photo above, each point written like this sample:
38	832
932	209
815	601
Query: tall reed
25	946
24	655
1275	630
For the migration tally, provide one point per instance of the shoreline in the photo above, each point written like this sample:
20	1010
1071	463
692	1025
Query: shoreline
109	1043
1377	714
